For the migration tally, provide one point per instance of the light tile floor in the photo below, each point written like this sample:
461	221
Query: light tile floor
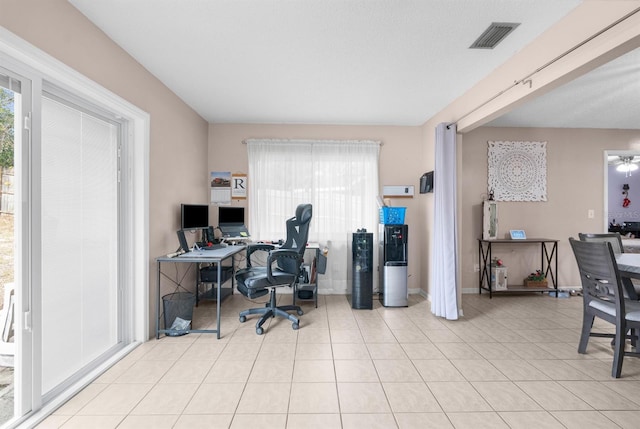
510	362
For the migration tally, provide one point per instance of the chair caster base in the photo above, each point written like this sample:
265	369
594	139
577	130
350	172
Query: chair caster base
271	310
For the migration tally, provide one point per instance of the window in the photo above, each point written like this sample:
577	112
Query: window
340	180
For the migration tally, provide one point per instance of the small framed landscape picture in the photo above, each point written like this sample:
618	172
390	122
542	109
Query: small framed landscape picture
518	234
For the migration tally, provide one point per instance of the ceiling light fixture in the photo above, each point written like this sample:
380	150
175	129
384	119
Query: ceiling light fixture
627	166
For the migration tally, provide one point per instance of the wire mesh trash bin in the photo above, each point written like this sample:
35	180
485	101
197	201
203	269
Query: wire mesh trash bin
178	312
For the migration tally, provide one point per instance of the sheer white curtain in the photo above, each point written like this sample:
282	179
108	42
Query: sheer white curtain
444	260
340	179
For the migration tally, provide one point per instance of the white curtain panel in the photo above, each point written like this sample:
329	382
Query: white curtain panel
340	180
444	262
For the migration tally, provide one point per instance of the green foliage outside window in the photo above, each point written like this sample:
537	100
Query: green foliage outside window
6	128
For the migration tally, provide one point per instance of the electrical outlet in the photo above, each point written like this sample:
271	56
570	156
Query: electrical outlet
476	268
591	213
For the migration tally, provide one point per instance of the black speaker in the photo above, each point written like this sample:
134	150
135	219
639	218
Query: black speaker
362	271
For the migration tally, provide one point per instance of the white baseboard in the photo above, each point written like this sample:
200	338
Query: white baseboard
326	291
470	290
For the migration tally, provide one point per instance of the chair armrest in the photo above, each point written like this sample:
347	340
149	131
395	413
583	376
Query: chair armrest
282	254
251	248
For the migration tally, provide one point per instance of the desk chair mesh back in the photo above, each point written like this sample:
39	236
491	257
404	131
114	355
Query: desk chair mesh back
282	269
603	297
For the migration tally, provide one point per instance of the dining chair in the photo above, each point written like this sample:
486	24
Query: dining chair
603	297
612	237
632	289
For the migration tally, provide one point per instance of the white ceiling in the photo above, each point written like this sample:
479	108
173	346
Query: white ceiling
344	61
607	97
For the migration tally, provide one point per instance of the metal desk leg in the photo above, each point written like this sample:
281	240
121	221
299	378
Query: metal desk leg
233	272
317	274
218	299
158	303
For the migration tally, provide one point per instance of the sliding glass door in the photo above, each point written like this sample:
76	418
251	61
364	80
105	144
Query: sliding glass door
69	227
14	102
79	240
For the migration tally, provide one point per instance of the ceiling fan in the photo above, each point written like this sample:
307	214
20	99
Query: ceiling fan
625	163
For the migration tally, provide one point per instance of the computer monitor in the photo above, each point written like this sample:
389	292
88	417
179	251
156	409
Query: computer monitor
194	216
230	215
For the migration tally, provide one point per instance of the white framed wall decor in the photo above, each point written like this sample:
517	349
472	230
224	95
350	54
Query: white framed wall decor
518	170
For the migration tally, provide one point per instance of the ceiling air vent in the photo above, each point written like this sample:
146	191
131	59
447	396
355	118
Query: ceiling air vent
494	35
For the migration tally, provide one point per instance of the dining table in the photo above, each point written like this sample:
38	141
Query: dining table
629	268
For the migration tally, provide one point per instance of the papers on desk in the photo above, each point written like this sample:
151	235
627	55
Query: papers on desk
217	253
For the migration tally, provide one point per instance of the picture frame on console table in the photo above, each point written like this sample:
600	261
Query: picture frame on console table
518	234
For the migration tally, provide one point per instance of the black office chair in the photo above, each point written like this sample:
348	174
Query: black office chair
282	269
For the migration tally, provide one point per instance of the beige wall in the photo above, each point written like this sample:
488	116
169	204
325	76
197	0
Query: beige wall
401	163
178	136
180	157
502	91
575	184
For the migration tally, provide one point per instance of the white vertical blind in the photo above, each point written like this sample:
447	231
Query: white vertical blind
79	240
340	180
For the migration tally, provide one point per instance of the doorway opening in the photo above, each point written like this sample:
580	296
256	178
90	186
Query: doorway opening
622	192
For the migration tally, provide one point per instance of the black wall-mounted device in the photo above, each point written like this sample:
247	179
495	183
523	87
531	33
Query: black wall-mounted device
426	183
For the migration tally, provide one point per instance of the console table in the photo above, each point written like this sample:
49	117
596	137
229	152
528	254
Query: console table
548	263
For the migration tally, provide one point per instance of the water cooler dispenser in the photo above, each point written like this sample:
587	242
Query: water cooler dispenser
393	265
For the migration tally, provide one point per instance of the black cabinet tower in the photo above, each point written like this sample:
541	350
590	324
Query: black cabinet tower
362	270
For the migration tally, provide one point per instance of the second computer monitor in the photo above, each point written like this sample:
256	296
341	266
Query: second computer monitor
230	215
231	223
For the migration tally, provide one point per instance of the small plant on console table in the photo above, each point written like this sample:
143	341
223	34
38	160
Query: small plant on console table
495	262
536	279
